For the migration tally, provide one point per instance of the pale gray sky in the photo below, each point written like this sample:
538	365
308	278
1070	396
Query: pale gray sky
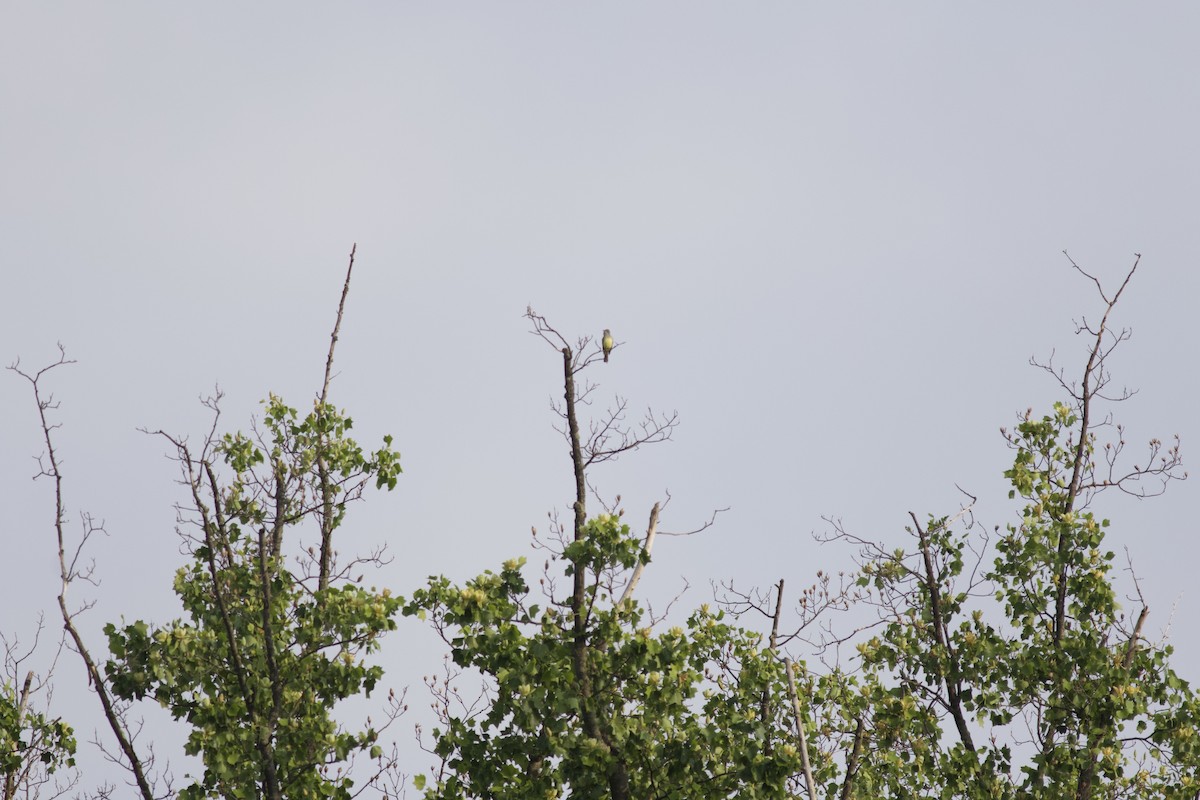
828	235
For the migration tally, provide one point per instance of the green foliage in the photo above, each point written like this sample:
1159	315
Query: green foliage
995	670
29	740
1100	691
1061	696
265	653
1018	678
678	710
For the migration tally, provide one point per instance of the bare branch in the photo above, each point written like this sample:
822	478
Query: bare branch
801	735
651	530
326	517
51	469
337	325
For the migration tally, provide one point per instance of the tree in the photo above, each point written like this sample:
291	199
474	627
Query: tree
72	570
33	745
1025	678
995	664
586	699
266	651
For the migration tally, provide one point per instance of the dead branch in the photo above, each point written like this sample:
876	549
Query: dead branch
326	517
801	735
50	469
648	547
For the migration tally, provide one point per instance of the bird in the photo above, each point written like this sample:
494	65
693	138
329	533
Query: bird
607	344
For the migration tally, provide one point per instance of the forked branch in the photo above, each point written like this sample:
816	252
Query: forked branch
50	468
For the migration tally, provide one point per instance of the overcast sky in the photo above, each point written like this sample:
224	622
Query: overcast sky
830	236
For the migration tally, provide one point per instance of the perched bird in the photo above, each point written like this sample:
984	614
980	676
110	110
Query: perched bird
607	344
